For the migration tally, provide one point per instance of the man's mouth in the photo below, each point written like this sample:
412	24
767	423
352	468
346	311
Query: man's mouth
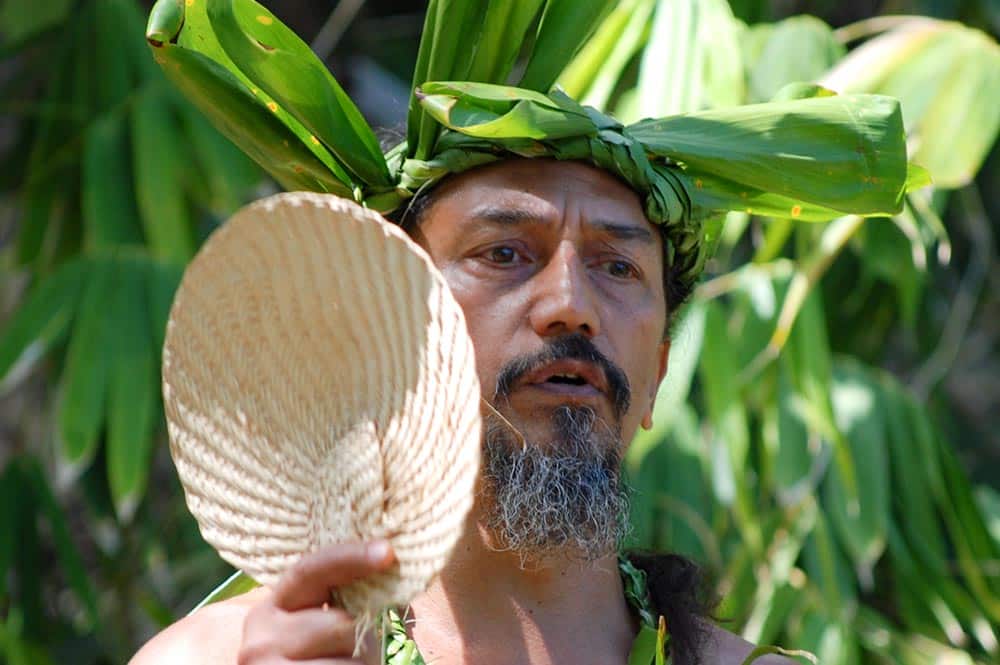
568	377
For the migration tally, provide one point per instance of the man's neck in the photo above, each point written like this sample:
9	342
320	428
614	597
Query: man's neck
505	610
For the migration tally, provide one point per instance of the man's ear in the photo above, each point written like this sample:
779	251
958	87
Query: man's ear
663	355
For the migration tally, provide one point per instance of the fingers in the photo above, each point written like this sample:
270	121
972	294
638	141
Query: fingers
305	634
308	582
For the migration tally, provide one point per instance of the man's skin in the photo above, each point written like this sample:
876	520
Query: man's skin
532	250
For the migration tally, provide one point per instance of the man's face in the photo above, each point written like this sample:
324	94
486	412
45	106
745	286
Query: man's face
560	277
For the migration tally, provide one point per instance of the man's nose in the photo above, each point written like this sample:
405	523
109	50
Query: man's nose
563	301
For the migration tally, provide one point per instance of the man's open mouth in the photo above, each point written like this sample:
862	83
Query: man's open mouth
568	376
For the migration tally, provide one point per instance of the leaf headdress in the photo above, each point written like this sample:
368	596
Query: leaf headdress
812	158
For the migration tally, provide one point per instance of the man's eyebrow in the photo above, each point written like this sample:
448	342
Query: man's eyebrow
510	216
506	216
621	231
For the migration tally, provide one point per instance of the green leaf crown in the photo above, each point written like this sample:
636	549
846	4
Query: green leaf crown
811	156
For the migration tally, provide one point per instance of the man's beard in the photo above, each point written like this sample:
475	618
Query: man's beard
564	499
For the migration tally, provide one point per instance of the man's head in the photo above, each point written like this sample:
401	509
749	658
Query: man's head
561	280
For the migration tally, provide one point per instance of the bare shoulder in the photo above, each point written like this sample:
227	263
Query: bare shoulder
726	648
210	635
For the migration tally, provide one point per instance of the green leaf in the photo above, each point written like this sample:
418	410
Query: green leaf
162	280
505	26
564	28
862	526
42	319
236	584
133	390
86	374
274	58
670	76
491	111
274	140
800	48
912	492
224	176
947	77
856	161
595	71
449	26
110	217
159	175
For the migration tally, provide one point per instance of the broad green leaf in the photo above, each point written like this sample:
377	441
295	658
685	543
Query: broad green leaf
674	473
858	413
449	27
42	318
595	71
243	112
224	177
670	76
800	48
794	450
490	111
947	77
70	558
86	374
159	174
133	389
564	28
505	25
843	171
827	568
722	33
276	60
727	414
912	492
110	217
692	60
246	121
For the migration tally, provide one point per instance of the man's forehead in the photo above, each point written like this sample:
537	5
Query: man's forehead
523	190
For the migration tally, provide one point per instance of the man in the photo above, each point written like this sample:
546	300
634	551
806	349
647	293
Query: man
562	282
568	265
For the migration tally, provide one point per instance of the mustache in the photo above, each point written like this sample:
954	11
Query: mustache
570	347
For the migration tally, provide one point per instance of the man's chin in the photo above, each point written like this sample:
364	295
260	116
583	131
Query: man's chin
560	501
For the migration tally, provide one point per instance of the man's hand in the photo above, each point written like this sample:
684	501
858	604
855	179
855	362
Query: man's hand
295	623
285	624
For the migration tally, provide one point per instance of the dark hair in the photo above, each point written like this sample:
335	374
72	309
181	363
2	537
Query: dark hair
681	594
676	291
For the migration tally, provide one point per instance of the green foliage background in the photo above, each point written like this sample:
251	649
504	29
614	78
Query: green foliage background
827	439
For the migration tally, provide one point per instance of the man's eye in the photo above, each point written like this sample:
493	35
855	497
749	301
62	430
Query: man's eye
501	255
621	269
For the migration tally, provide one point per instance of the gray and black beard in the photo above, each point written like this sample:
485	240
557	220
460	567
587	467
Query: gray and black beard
564	499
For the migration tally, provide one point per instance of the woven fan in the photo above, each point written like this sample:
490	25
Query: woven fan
320	387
